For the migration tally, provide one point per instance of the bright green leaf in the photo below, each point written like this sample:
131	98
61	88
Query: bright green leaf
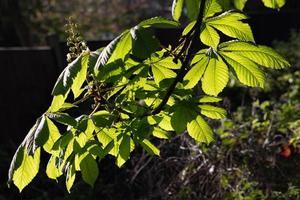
159	22
200	130
70	177
275	4
149	147
213	112
209	36
177	8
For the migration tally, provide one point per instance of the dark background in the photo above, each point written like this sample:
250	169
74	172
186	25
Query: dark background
28	74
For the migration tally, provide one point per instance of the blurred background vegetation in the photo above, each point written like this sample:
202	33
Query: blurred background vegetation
256	154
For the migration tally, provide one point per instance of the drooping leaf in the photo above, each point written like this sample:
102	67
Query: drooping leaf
101	118
66	78
246	70
177	8
124	150
144	42
209	36
159	133
200	130
149	147
123	47
28	169
70	177
159	22
89	169
262	55
63	118
231	25
213	112
52	171
215	77
195	74
192	8
275	4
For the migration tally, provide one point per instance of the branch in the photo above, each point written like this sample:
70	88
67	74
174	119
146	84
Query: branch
187	46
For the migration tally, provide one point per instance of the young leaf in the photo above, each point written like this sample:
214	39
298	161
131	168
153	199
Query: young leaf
239	4
200	130
28	169
275	4
213	112
229	23
89	169
215	77
177	8
159	133
262	55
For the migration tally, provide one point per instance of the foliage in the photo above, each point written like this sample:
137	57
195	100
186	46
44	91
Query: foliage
135	89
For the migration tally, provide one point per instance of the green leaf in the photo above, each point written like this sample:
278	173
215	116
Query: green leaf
229	23
215	77
144	42
195	74
70	177
66	78
149	147
188	28
89	169
124	150
57	103
239	4
63	118
209	99
213	112
209	36
161	73
184	112
28	169
80	76
159	22
275	4
192	8
177	8
211	7
262	55
52	171
246	70
165	123
101	118
123	47
200	130
159	133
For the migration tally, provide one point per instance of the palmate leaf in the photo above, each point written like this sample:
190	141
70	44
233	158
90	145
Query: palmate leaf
70	177
209	99
209	36
199	130
275	4
247	71
52	171
27	170
149	147
124	150
231	25
81	76
239	4
262	55
177	8
215	77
